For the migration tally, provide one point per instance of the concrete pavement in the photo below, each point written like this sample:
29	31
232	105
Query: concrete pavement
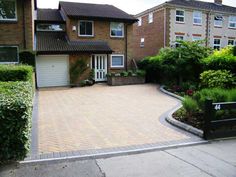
216	159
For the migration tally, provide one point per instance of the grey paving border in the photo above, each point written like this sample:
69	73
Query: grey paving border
107	153
34	128
177	123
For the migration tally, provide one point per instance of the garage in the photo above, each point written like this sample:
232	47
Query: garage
52	70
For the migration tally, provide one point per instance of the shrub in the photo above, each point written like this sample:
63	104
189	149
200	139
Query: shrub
15	120
218	78
215	94
189	104
141	73
16	73
176	64
221	60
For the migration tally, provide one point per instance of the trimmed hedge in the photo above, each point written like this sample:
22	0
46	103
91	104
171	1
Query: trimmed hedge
15	120
15	73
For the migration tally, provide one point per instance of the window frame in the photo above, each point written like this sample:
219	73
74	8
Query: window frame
123	31
221	21
142	40
199	38
216	45
140	21
16	18
176	43
17	51
114	55
37	29
82	35
150	17
179	16
197	17
230	22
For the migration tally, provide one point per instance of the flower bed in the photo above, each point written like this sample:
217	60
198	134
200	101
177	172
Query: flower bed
126	78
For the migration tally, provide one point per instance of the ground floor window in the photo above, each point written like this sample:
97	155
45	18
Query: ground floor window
216	44
9	54
231	42
117	61
178	38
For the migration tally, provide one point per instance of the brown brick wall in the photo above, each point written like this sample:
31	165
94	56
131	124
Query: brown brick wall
102	33
153	33
11	33
86	59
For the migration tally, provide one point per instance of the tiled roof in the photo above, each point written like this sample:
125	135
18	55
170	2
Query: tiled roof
101	11
49	15
57	43
203	5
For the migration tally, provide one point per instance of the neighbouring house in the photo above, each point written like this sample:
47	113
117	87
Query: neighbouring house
16	29
190	20
79	38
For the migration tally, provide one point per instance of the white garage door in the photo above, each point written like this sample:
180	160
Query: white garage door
52	70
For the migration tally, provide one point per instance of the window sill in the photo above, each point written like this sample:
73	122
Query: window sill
116	37
181	23
116	68
197	24
232	28
84	36
218	26
8	21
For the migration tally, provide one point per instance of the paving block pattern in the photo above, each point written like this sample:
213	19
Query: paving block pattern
99	117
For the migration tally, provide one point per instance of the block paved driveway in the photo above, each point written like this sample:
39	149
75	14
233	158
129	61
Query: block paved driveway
98	117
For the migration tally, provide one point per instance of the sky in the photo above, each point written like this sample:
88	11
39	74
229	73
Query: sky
129	6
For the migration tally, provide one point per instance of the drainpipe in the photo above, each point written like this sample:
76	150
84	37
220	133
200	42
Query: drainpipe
24	33
165	27
208	28
126	48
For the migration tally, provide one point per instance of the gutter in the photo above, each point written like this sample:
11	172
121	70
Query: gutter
126	48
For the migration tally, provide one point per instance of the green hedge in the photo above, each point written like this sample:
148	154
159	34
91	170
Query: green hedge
15	120
16	73
223	59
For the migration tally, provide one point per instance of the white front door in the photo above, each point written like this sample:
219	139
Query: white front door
100	67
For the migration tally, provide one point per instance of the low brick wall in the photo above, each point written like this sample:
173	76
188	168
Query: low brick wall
129	80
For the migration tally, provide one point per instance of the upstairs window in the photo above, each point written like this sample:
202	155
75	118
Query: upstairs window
117	29
140	21
197	18
179	17
232	21
50	27
218	20
8	54
217	44
86	28
150	17
8	10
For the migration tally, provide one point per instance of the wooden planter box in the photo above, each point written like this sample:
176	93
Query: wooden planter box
121	80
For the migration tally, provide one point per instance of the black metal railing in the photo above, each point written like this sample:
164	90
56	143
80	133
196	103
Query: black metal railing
219	128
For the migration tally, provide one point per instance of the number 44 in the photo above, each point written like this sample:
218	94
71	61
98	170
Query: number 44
217	107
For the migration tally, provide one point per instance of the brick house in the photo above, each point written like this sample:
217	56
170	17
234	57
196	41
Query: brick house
188	20
16	29
94	36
